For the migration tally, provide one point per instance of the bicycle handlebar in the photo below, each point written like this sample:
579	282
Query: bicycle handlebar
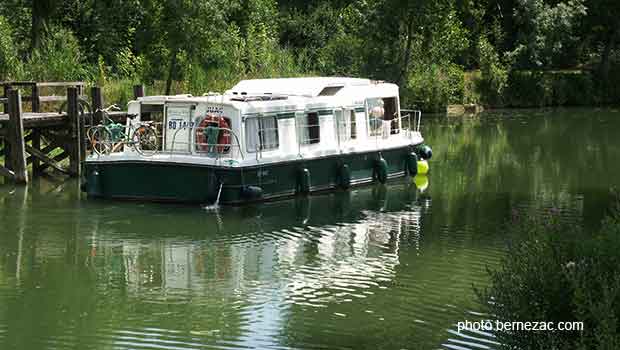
109	109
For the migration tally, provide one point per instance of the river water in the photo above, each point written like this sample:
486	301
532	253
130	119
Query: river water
375	268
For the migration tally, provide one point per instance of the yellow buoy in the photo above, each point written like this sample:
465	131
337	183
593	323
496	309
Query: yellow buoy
421	182
423	167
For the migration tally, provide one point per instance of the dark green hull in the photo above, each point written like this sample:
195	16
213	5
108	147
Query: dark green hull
160	181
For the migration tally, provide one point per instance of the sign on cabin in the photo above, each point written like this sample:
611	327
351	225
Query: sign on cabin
179	126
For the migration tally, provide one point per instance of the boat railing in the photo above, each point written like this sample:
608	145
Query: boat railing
220	151
413	120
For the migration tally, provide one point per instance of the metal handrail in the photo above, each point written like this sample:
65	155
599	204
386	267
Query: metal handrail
302	126
417	120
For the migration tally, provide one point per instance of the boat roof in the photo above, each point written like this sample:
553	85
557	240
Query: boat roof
261	95
308	86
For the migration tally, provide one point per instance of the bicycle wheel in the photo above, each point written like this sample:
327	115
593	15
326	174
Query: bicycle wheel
145	140
100	139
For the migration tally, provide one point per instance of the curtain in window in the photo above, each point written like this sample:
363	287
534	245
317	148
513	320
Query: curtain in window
343	125
252	138
269	131
303	133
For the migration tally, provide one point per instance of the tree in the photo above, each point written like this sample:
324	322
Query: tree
180	28
9	62
400	34
42	12
603	24
545	32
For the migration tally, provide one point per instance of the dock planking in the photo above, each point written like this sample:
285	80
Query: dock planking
48	119
45	139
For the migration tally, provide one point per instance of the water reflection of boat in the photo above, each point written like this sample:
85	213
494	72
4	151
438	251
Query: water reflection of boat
309	252
242	272
353	233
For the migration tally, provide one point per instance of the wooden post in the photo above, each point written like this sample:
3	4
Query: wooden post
36	144
7	155
35	98
15	137
138	91
97	103
7	90
7	145
76	153
4	166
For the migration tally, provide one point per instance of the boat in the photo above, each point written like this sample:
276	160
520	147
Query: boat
261	140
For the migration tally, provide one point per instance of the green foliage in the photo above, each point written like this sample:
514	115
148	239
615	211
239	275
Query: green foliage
58	58
127	64
546	32
573	89
19	18
10	66
433	87
539	89
314	33
494	74
118	92
340	56
421	45
534	88
559	273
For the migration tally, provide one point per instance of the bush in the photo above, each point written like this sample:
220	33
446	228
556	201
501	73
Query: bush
493	74
10	65
559	273
433	87
527	89
572	89
58	59
609	87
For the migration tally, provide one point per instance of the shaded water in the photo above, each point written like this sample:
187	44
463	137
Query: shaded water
371	268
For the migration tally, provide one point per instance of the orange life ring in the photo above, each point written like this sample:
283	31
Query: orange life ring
223	138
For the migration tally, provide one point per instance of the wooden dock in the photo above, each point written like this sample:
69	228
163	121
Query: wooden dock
46	139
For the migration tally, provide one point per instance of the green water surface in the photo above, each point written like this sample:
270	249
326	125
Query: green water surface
373	268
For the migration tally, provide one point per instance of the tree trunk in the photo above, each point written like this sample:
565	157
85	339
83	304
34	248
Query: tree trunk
36	28
41	11
609	45
405	67
172	71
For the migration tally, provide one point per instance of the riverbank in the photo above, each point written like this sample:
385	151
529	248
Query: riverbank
527	89
523	89
471	92
558	272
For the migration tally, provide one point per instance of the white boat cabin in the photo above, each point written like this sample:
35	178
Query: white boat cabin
272	120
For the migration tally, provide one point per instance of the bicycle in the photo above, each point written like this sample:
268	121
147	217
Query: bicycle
110	137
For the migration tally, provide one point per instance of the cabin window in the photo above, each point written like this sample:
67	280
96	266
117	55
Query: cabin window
382	116
375	113
261	134
330	90
345	124
151	112
308	128
391	113
154	113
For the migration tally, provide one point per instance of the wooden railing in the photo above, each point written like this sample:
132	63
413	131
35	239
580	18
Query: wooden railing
36	88
44	139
